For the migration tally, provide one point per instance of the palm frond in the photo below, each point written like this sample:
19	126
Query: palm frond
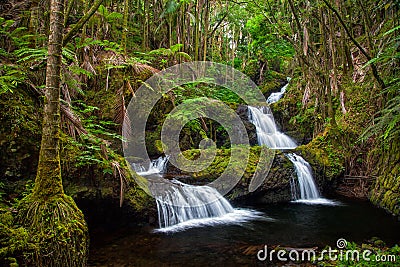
184	55
121	115
120	173
140	67
130	89
72	122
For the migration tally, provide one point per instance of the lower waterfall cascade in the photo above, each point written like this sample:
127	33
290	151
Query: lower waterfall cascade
185	206
181	206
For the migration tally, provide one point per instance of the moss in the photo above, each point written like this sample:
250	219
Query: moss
221	161
325	154
270	86
96	182
58	227
139	199
20	120
252	69
153	142
15	241
275	188
386	191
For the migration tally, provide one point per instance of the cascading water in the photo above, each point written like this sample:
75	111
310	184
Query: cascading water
154	167
274	97
306	186
267	134
181	206
185	202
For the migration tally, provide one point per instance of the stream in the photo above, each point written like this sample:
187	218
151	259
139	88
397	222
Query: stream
285	224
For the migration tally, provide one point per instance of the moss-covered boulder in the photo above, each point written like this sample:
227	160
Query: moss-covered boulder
105	197
386	193
275	188
326	158
273	82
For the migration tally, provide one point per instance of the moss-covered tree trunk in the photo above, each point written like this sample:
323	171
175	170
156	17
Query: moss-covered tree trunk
52	218
125	25
48	179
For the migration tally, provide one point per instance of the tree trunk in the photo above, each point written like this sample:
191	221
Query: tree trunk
52	218
196	31
48	179
125	25
374	69
206	26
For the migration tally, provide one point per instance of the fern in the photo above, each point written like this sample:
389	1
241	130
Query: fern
109	17
29	55
10	78
387	123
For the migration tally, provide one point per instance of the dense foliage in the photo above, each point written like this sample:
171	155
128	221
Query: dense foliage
343	103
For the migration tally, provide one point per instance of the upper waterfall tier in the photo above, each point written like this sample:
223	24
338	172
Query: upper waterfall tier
267	133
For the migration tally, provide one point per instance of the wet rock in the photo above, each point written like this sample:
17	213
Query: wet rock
275	188
242	111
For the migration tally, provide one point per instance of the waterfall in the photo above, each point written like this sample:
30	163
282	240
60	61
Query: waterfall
187	202
267	133
154	167
306	184
181	206
305	190
274	97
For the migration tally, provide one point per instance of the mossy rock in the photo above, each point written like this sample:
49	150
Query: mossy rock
275	188
324	156
16	243
269	87
273	82
386	192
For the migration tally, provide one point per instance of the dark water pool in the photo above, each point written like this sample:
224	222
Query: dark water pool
293	225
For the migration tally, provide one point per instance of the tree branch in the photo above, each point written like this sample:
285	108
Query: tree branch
354	41
218	24
81	22
296	18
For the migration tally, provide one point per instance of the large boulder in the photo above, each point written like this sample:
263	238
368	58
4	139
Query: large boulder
275	188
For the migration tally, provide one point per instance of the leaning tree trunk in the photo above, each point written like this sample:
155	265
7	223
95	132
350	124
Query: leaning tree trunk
51	217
